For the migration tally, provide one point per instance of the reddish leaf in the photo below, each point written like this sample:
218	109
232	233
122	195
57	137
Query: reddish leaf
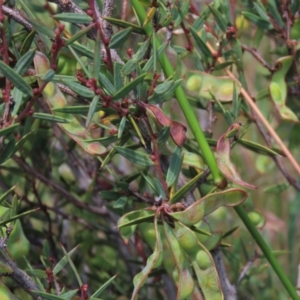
177	132
161	118
224	163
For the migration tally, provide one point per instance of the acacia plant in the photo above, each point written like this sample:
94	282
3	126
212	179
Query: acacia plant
148	149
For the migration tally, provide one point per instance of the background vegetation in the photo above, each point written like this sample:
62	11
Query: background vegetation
104	163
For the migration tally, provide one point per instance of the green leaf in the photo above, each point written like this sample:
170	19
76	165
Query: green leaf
92	110
80	109
129	87
60	265
79	34
24	62
106	83
277	188
4	195
49	117
82	50
127	224
75	18
135	28
16	217
163	87
118	79
200	44
103	287
15	78
198	24
26	45
261	10
9	129
8	149
121	202
136	157
272	6
219	18
47	296
258	148
175	166
79	89
121	127
258	21
119	38
97	56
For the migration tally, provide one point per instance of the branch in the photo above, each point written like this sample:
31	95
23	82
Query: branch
58	188
16	15
261	117
18	275
228	289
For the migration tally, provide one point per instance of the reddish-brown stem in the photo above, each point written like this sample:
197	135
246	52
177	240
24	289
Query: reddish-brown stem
155	157
153	85
258	57
124	9
105	39
30	104
186	31
4	53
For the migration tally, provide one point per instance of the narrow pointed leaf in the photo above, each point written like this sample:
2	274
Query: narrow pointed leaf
24	62
135	28
79	89
119	38
60	265
184	189
49	117
9	129
103	287
129	87
92	110
136	157
73	18
175	166
15	78
200	44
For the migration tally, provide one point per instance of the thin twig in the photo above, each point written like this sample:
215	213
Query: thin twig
58	188
260	116
228	289
16	15
18	275
247	267
258	57
278	160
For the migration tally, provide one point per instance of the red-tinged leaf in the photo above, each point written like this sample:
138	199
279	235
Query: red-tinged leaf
224	163
161	118
204	206
177	132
